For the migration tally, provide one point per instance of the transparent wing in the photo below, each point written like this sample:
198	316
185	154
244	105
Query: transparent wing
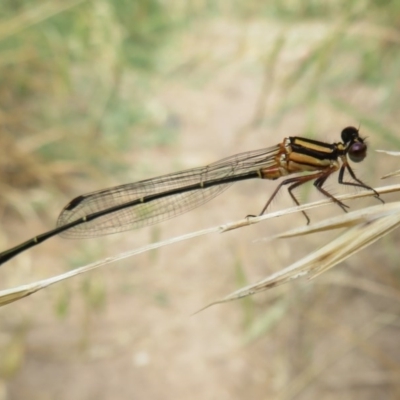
160	209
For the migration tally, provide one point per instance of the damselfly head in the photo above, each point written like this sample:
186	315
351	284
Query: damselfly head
357	149
349	134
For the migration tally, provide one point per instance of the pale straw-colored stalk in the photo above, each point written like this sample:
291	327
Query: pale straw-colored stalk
363	227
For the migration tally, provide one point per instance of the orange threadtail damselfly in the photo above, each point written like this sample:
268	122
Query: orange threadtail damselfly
151	201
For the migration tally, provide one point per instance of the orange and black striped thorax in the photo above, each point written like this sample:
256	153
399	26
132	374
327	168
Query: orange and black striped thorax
315	149
298	154
352	144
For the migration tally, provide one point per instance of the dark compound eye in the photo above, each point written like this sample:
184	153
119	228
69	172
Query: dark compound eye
357	152
349	134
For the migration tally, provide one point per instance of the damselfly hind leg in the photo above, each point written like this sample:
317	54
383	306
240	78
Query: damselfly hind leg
319	179
359	183
319	183
293	182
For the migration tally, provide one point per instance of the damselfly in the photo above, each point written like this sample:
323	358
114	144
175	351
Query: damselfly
151	201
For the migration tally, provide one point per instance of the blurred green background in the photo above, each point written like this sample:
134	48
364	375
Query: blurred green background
99	93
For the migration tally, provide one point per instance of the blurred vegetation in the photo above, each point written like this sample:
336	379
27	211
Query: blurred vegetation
74	73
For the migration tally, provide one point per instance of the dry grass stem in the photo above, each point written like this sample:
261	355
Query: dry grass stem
364	227
390	153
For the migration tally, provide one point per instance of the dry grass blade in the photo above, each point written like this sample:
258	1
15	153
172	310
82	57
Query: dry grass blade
17	293
360	235
392	174
366	215
390	153
11	295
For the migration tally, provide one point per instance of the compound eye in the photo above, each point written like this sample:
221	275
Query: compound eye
357	152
